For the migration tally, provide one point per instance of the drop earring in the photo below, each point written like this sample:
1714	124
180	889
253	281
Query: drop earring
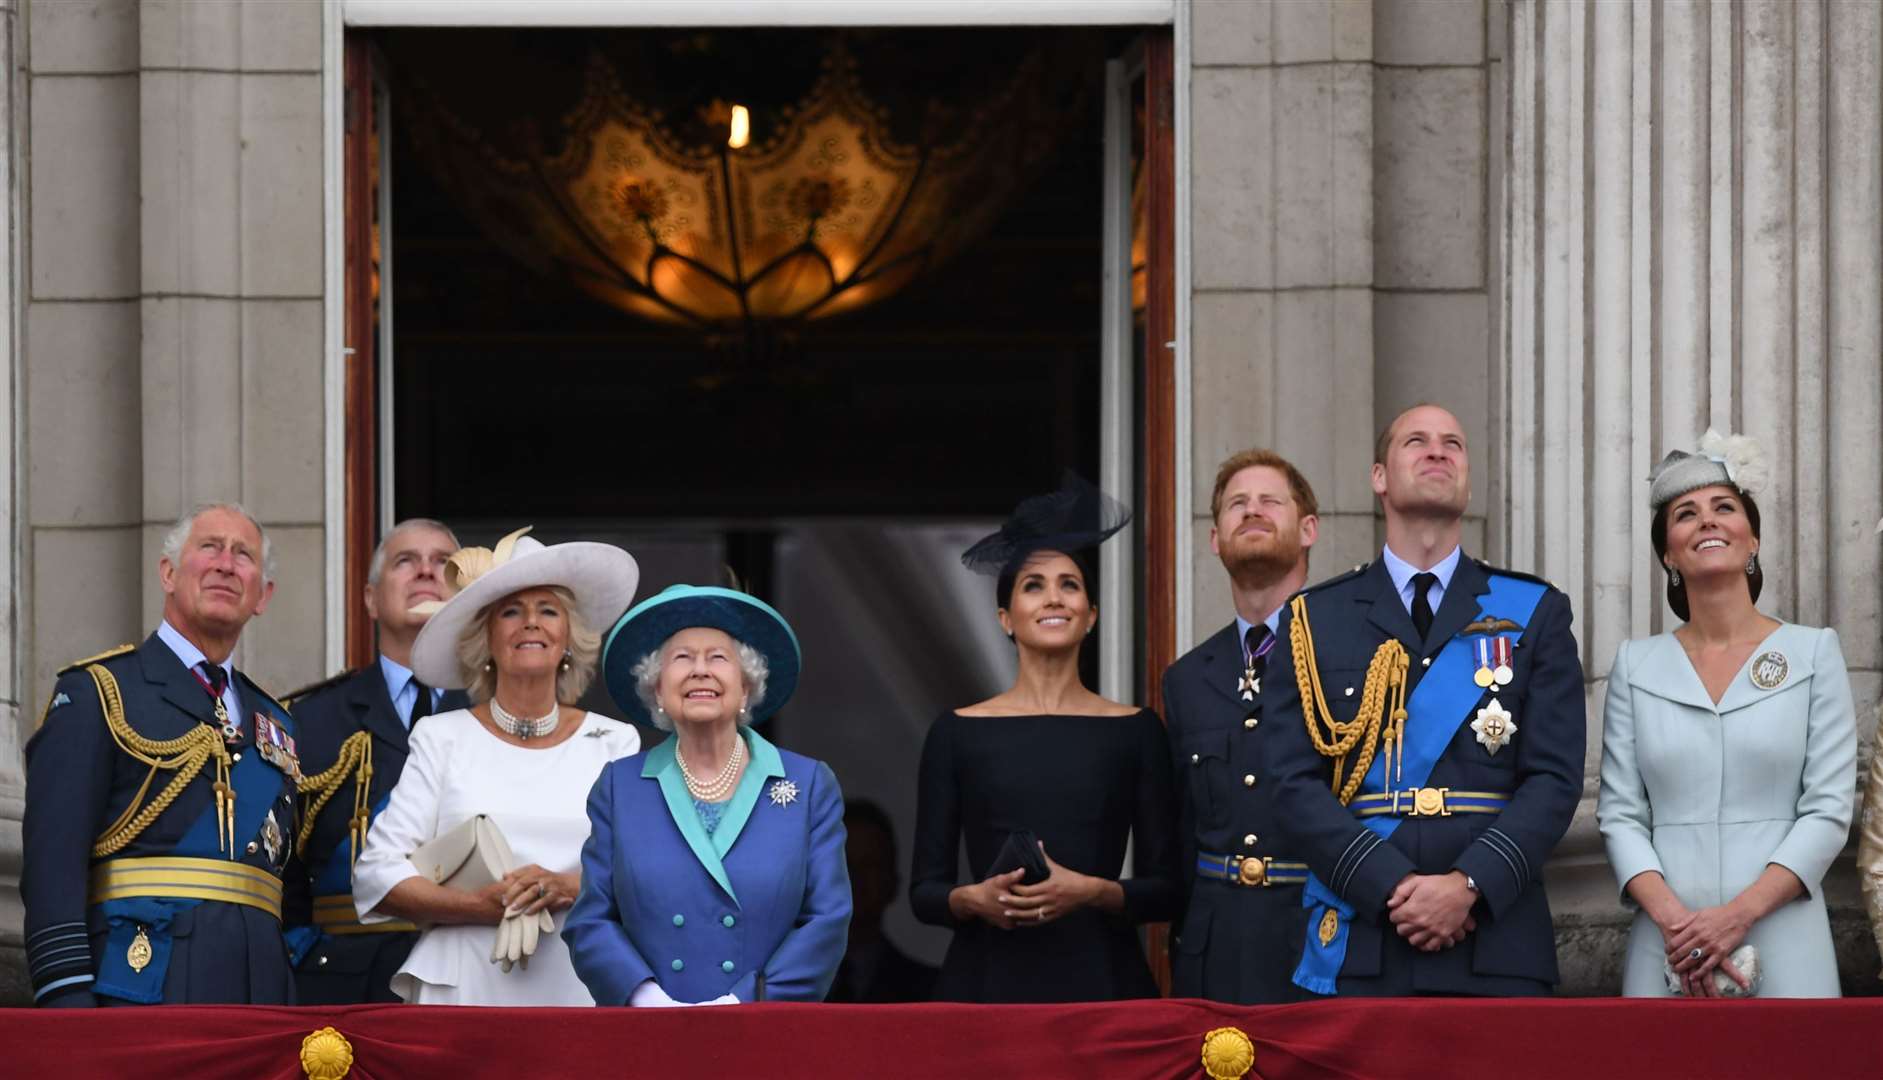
1673	577
1752	564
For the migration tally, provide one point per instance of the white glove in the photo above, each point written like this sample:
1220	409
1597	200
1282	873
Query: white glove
531	931
649	995
500	944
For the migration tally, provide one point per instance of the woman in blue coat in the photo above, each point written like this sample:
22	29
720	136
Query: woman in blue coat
714	872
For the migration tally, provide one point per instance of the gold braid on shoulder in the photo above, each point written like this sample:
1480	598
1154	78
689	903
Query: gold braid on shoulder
184	756
354	763
1359	738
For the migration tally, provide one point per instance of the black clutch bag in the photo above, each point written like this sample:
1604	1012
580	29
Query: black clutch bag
1020	852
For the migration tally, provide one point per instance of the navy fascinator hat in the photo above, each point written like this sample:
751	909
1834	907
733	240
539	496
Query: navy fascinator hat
1076	518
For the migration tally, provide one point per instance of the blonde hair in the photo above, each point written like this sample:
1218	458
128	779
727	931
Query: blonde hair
478	667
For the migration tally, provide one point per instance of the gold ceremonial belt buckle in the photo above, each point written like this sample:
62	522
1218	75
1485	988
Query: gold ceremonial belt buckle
1422	802
1252	871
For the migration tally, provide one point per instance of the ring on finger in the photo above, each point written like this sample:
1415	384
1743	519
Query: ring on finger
1697	954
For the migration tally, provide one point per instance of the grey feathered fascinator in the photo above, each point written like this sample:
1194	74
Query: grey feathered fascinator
1734	460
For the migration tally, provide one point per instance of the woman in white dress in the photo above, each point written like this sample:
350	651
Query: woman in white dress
1728	754
519	636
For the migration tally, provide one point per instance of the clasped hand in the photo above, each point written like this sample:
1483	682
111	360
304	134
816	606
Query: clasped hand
1716	932
530	889
1432	911
1003	902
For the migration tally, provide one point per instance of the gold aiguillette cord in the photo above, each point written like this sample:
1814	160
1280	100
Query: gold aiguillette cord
1360	737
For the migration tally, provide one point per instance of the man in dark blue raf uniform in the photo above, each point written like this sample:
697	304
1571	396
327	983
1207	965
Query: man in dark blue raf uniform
359	721
1424	736
1241	931
160	799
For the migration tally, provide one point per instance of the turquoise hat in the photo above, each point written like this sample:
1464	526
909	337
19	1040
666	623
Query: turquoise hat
749	620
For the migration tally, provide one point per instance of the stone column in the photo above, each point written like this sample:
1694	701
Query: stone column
1693	238
170	289
229	105
77	371
1282	180
12	778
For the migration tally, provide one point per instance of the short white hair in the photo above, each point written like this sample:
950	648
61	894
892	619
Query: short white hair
378	566
179	533
647	679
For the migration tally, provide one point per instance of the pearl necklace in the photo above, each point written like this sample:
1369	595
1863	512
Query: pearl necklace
720	786
521	727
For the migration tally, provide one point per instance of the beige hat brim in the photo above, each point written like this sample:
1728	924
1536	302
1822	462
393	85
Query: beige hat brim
602	578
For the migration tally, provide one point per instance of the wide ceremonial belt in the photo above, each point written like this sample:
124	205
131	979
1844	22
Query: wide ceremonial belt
1428	802
337	915
181	878
1250	870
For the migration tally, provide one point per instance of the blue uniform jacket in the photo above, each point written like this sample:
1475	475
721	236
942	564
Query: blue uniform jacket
767	893
1513	950
347	968
1236	943
78	782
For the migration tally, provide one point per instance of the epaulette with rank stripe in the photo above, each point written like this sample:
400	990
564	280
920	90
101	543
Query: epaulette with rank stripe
108	654
291	697
1518	574
1336	579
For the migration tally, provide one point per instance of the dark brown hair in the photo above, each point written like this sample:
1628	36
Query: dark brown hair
1657	534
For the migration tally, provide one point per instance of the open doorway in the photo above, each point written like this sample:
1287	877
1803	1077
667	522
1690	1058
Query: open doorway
836	465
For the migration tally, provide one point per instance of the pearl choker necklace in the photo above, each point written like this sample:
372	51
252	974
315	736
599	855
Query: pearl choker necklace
525	728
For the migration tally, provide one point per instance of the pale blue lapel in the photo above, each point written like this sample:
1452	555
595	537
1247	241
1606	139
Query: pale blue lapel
662	765
764	766
1666	672
1795	648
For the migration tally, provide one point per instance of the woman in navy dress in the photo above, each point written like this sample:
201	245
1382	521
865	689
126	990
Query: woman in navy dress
1079	773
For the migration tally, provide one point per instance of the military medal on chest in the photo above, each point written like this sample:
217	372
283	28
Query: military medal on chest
276	746
1494	726
274	841
1494	662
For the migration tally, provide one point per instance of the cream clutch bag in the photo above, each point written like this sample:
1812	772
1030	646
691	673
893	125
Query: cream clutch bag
470	857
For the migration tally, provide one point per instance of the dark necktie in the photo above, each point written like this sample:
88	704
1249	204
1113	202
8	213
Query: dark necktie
214	680
217	678
422	704
1421	604
1257	642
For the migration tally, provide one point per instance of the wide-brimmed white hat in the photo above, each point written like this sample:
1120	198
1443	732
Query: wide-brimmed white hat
602	578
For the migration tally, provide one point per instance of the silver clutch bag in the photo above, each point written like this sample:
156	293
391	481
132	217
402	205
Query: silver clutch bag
1745	958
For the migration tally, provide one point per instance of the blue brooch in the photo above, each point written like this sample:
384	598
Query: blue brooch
783	793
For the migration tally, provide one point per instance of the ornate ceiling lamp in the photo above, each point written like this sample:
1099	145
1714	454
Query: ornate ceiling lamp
751	216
